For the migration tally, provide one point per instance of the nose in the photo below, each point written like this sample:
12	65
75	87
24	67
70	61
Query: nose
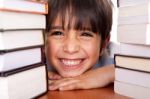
71	45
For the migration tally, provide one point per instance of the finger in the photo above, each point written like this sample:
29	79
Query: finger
56	77
60	83
53	76
50	81
72	86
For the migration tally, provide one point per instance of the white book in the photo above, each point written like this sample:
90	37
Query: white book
131	90
123	3
19	20
134	49
134	20
20	58
132	77
134	34
137	10
24	85
132	62
136	14
24	6
20	39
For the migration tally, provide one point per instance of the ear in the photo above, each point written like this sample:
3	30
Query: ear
104	44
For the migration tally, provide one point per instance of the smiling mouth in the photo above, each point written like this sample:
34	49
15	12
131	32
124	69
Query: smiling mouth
71	64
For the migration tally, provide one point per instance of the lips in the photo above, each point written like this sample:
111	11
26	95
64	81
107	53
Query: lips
71	64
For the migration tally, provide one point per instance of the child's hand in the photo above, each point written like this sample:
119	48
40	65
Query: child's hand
96	78
53	76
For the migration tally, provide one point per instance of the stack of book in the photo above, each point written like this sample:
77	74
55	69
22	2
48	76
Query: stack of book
23	73
132	63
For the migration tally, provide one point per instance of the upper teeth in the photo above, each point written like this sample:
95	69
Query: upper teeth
71	62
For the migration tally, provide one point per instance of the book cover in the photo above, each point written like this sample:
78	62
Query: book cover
26	84
132	62
10	40
17	20
132	77
134	34
29	6
131	90
20	58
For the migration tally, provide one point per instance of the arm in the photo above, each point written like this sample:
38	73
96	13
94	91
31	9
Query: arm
95	78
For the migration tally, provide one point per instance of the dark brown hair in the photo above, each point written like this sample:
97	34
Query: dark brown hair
97	13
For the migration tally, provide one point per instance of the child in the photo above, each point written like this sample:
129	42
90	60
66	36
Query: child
77	34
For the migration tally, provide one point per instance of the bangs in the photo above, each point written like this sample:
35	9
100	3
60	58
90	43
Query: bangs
93	15
78	16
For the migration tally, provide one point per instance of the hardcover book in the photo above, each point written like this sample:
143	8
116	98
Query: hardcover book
134	34
136	10
136	14
131	90
123	3
132	76
17	20
134	49
19	58
132	62
25	84
10	40
30	6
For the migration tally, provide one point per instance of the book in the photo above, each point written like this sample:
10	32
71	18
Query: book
10	40
134	49
134	34
136	14
131	90
26	84
123	3
19	58
132	77
30	6
17	20
136	10
132	62
134	20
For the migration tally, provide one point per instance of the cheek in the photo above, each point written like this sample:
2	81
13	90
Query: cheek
51	48
93	49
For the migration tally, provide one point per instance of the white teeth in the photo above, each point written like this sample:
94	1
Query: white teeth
71	62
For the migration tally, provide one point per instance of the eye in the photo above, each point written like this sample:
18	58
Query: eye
56	33
87	34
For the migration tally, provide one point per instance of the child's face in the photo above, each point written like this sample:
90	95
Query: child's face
71	52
